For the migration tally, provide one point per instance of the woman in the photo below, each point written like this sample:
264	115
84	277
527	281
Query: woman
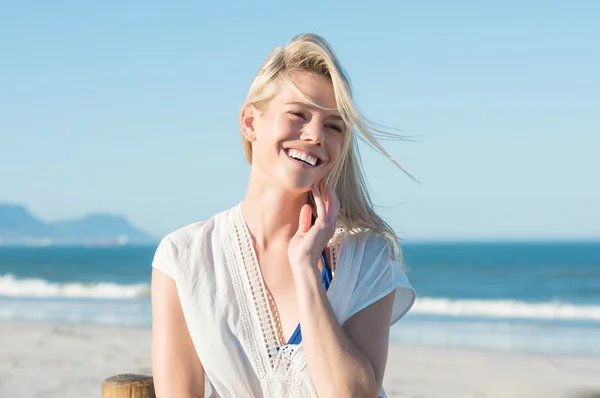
304	247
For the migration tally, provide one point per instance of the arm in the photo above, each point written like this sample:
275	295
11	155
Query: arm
176	367
348	361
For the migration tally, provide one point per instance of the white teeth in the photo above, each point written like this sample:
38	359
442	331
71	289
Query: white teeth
293	153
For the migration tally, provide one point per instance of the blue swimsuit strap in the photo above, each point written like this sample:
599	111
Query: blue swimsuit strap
326	277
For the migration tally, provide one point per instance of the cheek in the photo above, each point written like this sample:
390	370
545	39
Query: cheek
270	130
335	147
285	128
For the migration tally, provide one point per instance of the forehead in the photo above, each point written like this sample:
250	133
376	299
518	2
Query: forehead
314	88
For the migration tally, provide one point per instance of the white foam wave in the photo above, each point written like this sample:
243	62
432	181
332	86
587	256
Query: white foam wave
506	309
12	287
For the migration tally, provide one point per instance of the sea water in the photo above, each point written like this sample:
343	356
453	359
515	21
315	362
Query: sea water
540	297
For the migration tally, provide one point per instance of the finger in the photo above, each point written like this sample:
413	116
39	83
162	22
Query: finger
319	203
304	221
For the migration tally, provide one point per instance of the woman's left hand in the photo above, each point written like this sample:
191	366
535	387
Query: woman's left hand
309	241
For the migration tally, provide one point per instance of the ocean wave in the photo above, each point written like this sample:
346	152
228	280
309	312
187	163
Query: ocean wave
39	288
505	309
12	287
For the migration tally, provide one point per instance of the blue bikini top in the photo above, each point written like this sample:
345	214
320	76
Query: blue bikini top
326	277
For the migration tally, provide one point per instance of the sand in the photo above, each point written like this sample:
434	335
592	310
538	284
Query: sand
66	361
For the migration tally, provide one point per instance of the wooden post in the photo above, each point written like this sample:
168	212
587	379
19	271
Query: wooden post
128	386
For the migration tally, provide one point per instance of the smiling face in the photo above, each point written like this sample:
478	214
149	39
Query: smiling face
294	143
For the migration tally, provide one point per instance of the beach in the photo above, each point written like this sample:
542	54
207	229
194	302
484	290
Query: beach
46	360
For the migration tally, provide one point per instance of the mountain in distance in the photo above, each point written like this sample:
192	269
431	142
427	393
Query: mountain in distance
19	227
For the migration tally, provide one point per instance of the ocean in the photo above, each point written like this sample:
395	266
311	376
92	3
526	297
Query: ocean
534	297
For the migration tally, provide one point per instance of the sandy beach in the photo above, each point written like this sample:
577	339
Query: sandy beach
64	361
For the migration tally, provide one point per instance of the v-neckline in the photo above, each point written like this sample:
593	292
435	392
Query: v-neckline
275	343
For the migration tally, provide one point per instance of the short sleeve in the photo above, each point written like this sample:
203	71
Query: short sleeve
379	275
164	258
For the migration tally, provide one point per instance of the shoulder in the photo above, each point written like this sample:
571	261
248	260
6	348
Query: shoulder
178	247
189	236
182	237
379	270
373	255
367	245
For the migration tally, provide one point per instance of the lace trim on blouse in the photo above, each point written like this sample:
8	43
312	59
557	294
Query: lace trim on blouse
280	354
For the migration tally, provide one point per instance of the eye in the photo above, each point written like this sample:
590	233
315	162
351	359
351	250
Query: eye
296	114
334	127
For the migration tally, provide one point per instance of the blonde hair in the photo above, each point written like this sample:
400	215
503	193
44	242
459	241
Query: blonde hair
311	53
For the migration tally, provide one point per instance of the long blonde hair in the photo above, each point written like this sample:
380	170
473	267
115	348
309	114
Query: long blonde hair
311	53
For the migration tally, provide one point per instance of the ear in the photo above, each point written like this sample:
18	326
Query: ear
247	120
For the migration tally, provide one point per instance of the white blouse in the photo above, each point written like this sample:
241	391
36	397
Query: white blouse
229	315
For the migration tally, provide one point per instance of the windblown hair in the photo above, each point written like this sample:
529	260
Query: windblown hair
311	53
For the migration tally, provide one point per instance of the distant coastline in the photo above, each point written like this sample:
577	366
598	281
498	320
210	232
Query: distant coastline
47	242
19	227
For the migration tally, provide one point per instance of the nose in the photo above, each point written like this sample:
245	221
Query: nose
314	132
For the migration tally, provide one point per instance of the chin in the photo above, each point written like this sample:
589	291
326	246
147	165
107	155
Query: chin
297	187
297	184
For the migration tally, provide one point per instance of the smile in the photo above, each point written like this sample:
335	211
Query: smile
303	157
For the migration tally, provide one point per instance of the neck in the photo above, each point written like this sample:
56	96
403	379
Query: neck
271	213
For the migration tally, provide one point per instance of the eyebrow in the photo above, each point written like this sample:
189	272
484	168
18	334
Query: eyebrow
310	106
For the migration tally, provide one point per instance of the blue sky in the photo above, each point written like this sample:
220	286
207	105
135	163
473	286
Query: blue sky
131	108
